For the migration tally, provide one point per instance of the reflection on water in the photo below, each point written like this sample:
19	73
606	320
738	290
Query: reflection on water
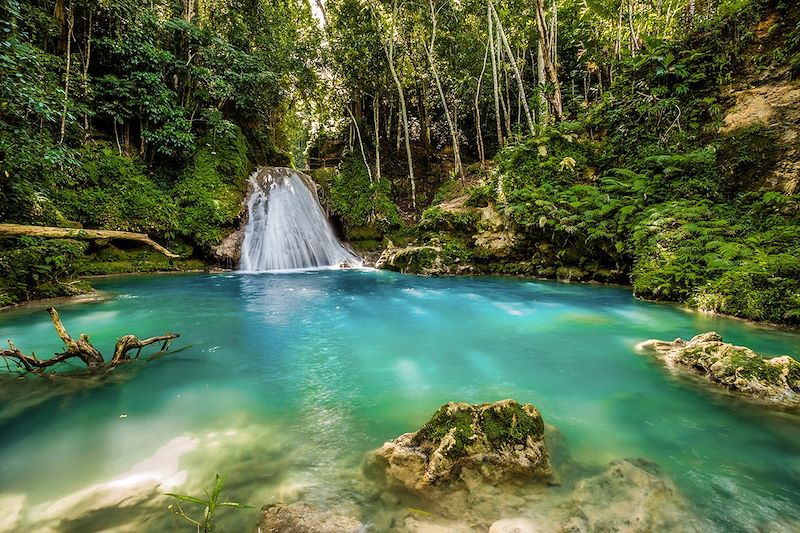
290	379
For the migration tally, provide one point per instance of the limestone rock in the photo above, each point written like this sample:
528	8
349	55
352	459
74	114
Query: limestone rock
737	368
302	518
228	252
411	260
627	497
465	445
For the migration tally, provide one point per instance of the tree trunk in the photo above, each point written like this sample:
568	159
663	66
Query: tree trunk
85	234
376	117
515	67
360	143
431	53
549	64
424	117
70	25
495	83
403	111
542	78
86	69
478	132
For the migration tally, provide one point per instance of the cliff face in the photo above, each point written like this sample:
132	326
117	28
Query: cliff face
766	94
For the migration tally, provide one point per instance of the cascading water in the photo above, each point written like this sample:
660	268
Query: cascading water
286	228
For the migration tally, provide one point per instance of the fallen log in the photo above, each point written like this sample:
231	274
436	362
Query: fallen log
81	349
14	230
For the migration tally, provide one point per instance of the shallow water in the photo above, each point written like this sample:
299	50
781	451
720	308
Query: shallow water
288	379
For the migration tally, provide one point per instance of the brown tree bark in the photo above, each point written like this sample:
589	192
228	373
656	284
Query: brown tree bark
82	349
85	234
549	64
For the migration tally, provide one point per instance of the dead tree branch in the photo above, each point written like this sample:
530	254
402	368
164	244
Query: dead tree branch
82	349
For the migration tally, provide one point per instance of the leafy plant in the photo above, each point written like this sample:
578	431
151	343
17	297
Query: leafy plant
210	505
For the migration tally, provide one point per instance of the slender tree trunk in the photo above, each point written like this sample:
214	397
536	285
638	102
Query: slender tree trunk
478	133
424	117
549	64
86	66
515	67
403	112
495	84
360	143
634	36
431	53
542	78
70	24
376	117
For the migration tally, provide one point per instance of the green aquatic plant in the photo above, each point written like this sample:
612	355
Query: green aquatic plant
210	506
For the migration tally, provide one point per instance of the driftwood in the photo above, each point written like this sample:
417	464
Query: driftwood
83	349
85	234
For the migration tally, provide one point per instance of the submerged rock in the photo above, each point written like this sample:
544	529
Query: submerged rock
737	368
302	518
468	445
627	497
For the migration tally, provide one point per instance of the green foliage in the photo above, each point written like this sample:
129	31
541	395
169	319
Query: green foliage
360	203
457	221
39	268
114	192
209	192
550	157
210	505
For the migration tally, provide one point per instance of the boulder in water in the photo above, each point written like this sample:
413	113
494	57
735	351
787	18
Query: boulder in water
737	368
300	517
468	445
630	496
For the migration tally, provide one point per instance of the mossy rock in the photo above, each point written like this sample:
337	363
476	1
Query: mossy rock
466	445
737	368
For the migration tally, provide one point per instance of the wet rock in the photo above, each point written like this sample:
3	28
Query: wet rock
302	518
630	496
468	446
228	252
737	368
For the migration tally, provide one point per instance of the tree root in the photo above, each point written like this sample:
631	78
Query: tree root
82	349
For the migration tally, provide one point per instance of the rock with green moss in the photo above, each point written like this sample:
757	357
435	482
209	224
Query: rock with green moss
465	445
737	368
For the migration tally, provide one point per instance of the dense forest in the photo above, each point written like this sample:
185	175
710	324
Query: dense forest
651	142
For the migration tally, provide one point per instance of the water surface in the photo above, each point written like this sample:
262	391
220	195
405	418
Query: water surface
289	379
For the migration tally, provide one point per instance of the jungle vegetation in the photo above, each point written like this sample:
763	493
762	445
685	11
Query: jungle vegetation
596	128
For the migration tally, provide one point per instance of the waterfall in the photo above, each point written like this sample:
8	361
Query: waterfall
286	227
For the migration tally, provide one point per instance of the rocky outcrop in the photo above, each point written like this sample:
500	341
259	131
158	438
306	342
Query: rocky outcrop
465	445
424	260
737	368
228	252
302	518
630	496
772	105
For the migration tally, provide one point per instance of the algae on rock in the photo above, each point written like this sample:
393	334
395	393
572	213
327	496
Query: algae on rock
737	368
465	445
